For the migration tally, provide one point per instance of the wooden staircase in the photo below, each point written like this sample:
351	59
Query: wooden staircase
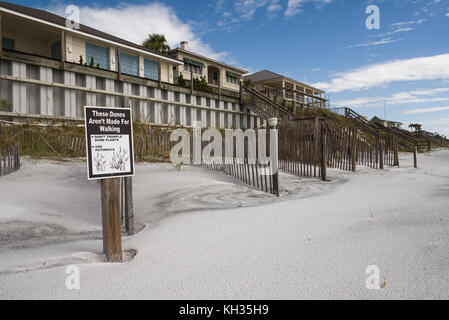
262	106
402	137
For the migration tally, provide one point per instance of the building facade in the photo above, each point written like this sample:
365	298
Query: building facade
50	71
274	86
220	76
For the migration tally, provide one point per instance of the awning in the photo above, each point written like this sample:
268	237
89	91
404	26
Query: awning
232	74
194	62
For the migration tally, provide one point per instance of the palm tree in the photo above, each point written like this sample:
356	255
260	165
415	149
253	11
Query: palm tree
156	42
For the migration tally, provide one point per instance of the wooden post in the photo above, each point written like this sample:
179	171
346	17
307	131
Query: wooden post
381	156
1	36
323	150
129	207
353	151
110	203
415	157
396	154
62	49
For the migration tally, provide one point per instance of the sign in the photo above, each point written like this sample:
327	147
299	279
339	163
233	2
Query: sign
109	142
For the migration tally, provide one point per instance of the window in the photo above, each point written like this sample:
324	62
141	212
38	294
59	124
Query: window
217	119
151	69
164	94
135	89
56	50
99	54
58	76
233	80
80	80
164	113
118	86
152	112
100	83
177	114
129	64
232	77
193	68
188	98
188	116
150	92
8	44
33	72
177	97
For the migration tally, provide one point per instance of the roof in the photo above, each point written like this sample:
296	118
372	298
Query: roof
269	75
61	22
375	118
263	75
176	50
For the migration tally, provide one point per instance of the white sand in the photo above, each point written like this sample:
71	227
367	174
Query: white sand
207	236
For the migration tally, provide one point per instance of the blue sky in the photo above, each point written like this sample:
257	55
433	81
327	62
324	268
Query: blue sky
404	64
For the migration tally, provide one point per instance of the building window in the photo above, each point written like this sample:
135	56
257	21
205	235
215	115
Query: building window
164	94
100	83
118	86
188	98
232	77
135	89
193	68
8	43
99	54
129	64
151	69
56	50
80	80
150	92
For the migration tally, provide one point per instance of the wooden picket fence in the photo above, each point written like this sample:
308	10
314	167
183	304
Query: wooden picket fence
302	146
250	169
349	147
9	159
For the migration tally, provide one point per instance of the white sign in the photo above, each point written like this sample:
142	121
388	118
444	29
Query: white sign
109	142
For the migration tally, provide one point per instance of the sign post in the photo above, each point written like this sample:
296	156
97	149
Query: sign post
110	155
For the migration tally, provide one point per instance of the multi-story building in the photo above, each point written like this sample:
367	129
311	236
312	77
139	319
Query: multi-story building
50	69
222	77
274	86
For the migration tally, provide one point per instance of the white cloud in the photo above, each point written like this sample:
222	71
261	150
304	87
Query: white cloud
295	6
408	23
422	68
373	43
134	23
247	8
426	110
273	7
387	34
414	96
447	14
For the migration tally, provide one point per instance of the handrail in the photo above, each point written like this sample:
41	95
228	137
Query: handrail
277	108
